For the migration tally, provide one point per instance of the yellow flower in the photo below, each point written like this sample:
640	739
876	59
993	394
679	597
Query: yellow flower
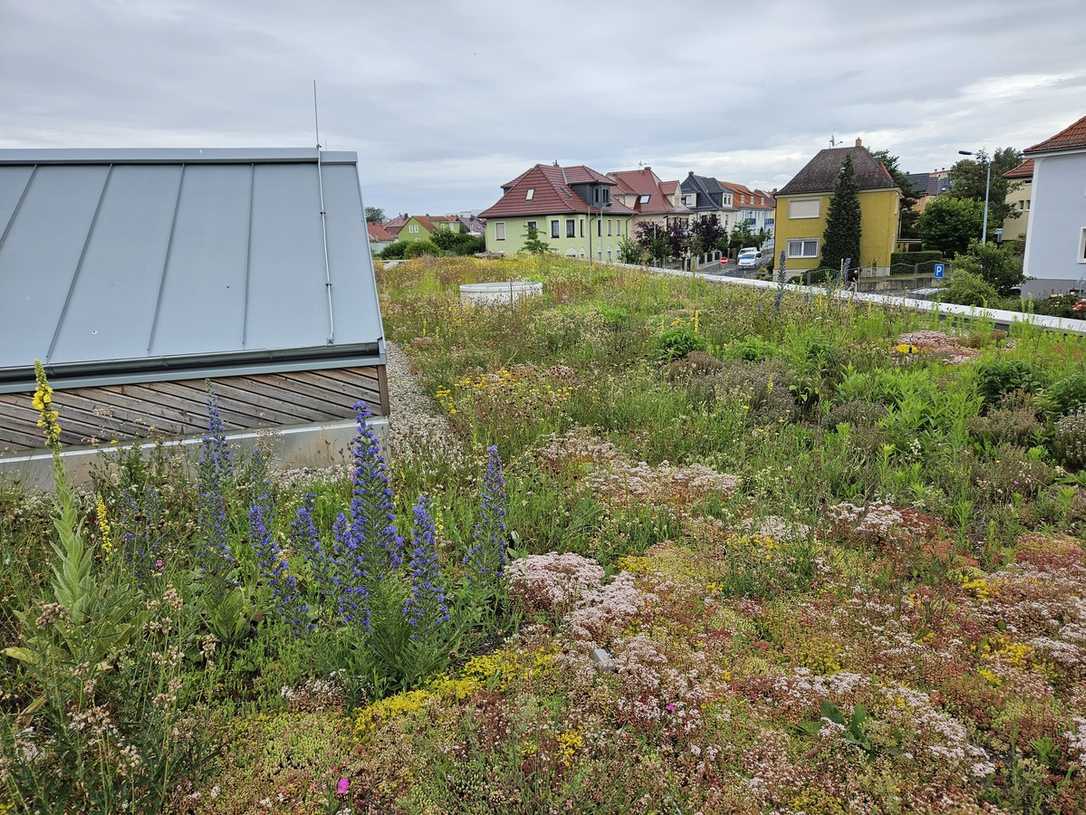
41	402
104	527
569	743
391	707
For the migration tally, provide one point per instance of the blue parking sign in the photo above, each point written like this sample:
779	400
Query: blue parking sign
938	269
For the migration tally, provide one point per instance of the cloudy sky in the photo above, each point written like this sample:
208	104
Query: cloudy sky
445	101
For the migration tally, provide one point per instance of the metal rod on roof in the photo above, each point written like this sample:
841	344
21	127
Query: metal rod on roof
324	223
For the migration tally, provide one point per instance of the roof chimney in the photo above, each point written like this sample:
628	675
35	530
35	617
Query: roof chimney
858	142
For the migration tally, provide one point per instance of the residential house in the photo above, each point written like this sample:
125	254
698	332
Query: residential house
143	278
1056	238
379	235
1018	197
474	225
421	227
570	208
754	207
803	202
394	225
653	201
704	195
926	186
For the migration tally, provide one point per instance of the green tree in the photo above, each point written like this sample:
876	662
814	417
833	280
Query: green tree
998	267
706	234
629	250
968	176
375	215
949	223
842	237
742	236
653	241
908	214
535	245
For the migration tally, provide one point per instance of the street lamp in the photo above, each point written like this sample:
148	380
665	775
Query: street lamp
987	189
603	206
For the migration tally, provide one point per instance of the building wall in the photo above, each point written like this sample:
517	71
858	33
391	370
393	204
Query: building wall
879	210
516	233
100	415
1015	224
406	234
1054	241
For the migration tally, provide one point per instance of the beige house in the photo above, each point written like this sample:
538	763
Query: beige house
1018	196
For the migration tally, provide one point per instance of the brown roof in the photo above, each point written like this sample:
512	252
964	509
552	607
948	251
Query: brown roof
755	199
820	173
553	194
645	182
379	232
1023	170
1072	137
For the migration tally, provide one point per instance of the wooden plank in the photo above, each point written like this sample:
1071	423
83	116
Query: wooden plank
177	393
336	400
189	421
270	411
120	422
315	410
382	381
21	441
17	414
354	392
153	396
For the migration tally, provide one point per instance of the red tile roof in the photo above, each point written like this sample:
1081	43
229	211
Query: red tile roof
552	192
1023	170
754	199
645	182
1072	137
379	232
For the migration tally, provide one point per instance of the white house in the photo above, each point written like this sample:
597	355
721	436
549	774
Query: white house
1056	239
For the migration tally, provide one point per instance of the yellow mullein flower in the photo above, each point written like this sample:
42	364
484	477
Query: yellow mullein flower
42	402
105	529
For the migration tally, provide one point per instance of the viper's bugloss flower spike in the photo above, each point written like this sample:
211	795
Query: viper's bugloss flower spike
425	608
487	555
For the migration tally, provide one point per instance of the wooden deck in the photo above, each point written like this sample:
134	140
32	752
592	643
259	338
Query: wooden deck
172	409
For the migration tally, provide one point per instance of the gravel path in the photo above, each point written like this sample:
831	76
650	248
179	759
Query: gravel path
417	426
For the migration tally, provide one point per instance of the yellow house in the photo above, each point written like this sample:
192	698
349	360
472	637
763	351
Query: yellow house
803	202
1019	192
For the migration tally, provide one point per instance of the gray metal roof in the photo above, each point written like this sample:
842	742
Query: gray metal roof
138	257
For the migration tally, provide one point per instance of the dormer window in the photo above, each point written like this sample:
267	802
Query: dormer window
644	199
530	194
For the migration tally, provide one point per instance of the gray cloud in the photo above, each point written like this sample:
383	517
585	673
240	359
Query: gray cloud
446	100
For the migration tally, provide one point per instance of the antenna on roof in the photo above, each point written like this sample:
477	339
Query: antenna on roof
833	140
316	122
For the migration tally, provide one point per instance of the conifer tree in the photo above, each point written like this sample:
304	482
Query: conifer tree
842	237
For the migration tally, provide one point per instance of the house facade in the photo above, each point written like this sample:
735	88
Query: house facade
753	207
569	208
1056	238
802	205
1018	199
422	227
652	201
379	236
704	195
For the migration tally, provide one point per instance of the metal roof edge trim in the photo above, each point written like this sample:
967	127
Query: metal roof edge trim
71	375
175	155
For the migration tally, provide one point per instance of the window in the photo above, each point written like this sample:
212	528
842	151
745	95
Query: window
811	208
532	229
571	228
499	231
555	228
596	194
803	248
530	194
689	200
609	227
644	199
599	228
582	227
414	228
1082	245
608	255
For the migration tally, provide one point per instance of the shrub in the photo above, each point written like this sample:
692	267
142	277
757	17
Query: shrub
996	266
925	256
616	318
1010	471
675	343
949	223
1070	306
968	289
1067	394
752	348
1009	423
998	377
766	387
417	249
394	251
1069	440
457	243
854	412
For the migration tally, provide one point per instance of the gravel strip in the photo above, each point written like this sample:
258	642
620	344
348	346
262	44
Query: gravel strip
416	425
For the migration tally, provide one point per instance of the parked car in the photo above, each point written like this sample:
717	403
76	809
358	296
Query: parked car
749	258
